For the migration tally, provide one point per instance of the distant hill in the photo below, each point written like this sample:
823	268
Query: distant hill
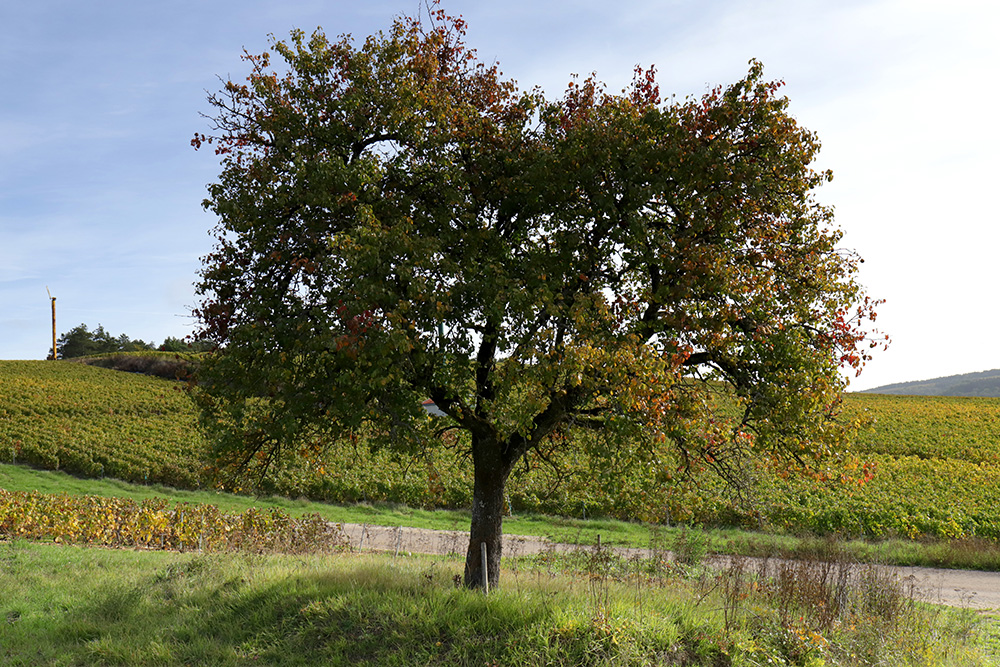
985	383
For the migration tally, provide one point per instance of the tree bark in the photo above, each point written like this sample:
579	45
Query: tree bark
490	474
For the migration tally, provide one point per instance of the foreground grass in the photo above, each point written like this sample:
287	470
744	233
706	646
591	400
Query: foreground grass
78	606
966	553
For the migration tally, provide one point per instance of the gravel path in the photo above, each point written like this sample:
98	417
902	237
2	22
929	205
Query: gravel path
440	542
956	588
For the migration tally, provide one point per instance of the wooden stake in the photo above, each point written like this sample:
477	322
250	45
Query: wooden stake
486	571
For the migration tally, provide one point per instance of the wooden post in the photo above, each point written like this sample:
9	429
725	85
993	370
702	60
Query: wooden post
55	354
486	570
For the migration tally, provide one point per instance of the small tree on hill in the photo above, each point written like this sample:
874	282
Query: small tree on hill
171	344
398	222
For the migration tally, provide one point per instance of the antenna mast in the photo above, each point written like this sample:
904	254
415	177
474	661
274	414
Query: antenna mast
55	354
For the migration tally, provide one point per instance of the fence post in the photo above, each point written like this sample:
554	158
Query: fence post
486	571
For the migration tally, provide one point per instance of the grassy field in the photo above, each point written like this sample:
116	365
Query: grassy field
936	467
78	606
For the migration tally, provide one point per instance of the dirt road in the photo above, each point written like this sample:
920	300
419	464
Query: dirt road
957	588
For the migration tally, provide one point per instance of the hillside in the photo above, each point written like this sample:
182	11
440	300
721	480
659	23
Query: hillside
97	422
985	383
929	465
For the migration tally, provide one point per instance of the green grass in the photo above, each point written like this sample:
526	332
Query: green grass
79	606
621	533
24	478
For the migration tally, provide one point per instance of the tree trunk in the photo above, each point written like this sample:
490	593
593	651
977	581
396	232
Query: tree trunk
487	513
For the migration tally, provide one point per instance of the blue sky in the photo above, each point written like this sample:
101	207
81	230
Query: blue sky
100	191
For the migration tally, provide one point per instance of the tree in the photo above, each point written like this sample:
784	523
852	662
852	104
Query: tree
172	344
80	342
397	222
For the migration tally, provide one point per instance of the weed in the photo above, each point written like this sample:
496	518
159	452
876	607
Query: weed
116	603
691	547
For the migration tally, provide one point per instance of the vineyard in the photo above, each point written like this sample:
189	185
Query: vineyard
935	462
152	524
95	422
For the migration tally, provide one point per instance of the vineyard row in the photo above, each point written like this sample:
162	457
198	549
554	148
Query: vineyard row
153	524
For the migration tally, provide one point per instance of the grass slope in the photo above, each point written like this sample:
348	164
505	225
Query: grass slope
76	606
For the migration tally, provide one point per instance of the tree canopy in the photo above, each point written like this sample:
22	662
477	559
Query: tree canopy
397	221
80	341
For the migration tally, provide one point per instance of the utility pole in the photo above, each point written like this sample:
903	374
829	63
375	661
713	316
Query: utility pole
55	355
